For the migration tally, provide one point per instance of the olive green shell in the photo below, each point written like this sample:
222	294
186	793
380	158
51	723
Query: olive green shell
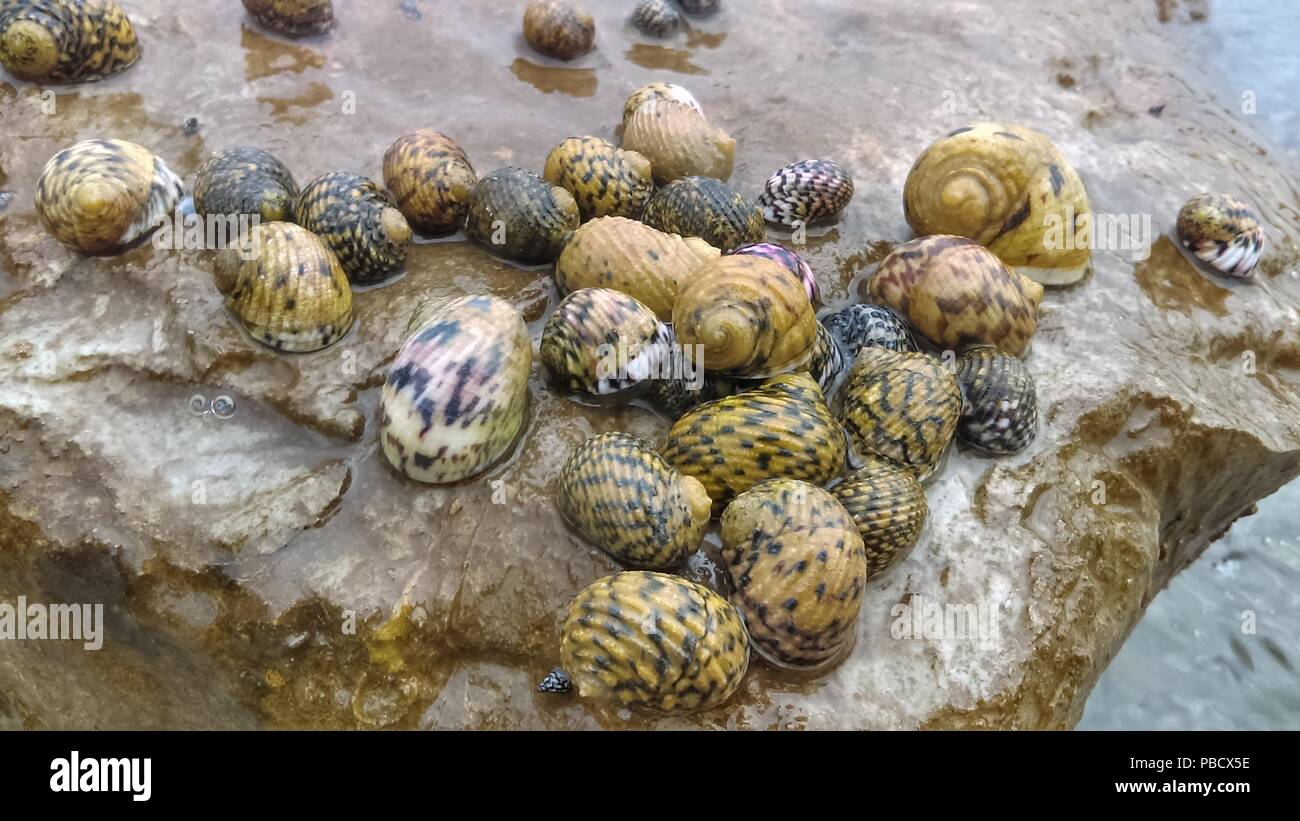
888	507
432	180
650	640
293	18
603	343
902	406
359	222
1223	232
520	216
798	570
245	180
1000	405
658	91
705	208
678	141
102	196
782	428
605	180
559	29
632	257
65	41
291	294
621	496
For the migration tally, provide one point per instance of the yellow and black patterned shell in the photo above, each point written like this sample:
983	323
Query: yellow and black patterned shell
603	343
1223	232
623	497
293	18
902	406
432	180
456	393
782	428
888	507
360	223
1000	405
559	29
65	41
658	91
286	288
102	196
245	180
678	141
521	216
805	192
705	208
798	570
650	640
605	180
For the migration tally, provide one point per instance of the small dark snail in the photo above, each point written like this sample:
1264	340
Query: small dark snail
865	325
706	208
359	222
293	18
245	180
701	6
521	216
559	29
432	180
65	41
657	18
1000	406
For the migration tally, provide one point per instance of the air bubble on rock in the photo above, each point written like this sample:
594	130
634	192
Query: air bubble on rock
223	407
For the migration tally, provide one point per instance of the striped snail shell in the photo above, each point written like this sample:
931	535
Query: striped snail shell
245	180
102	196
865	325
456	393
1009	188
706	208
653	641
293	18
792	262
621	496
798	570
805	192
678	141
603	343
65	41
888	507
658	91
1223	232
291	294
432	180
656	18
1000	407
605	180
559	29
521	216
827	363
359	222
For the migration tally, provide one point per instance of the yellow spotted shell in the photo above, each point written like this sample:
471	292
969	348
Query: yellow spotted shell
678	141
605	180
888	507
65	41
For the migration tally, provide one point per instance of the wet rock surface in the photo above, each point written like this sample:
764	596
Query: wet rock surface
269	568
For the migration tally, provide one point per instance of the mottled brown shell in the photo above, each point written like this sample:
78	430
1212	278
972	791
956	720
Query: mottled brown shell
66	41
559	29
359	222
521	216
678	141
293	18
432	180
888	507
706	208
245	180
605	180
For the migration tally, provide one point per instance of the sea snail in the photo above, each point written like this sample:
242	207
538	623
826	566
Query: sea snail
65	41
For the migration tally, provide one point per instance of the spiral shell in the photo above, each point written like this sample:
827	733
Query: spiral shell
605	180
827	363
290	292
651	640
901	406
958	294
1008	188
865	325
751	316
1000	408
888	507
1222	231
678	141
657	18
245	180
359	222
805	192
559	29
603	343
102	196
65	41
798	570
293	18
705	208
782	428
632	257
792	262
521	216
456	393
621	496
432	180
658	91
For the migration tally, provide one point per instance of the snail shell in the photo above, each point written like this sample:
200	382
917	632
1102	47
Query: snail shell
792	262
293	18
1222	231
245	180
292	295
432	180
958	294
658	91
865	325
682	383
827	363
101	196
456	393
678	141
1008	188
359	222
651	640
805	192
700	6
559	29
1000	410
603	343
632	257
521	216
901	406
753	319
621	496
782	428
888	507
798	570
656	17
605	180
706	208
556	683
65	41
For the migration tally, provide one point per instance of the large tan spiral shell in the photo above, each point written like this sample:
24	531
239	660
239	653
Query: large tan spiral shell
678	141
